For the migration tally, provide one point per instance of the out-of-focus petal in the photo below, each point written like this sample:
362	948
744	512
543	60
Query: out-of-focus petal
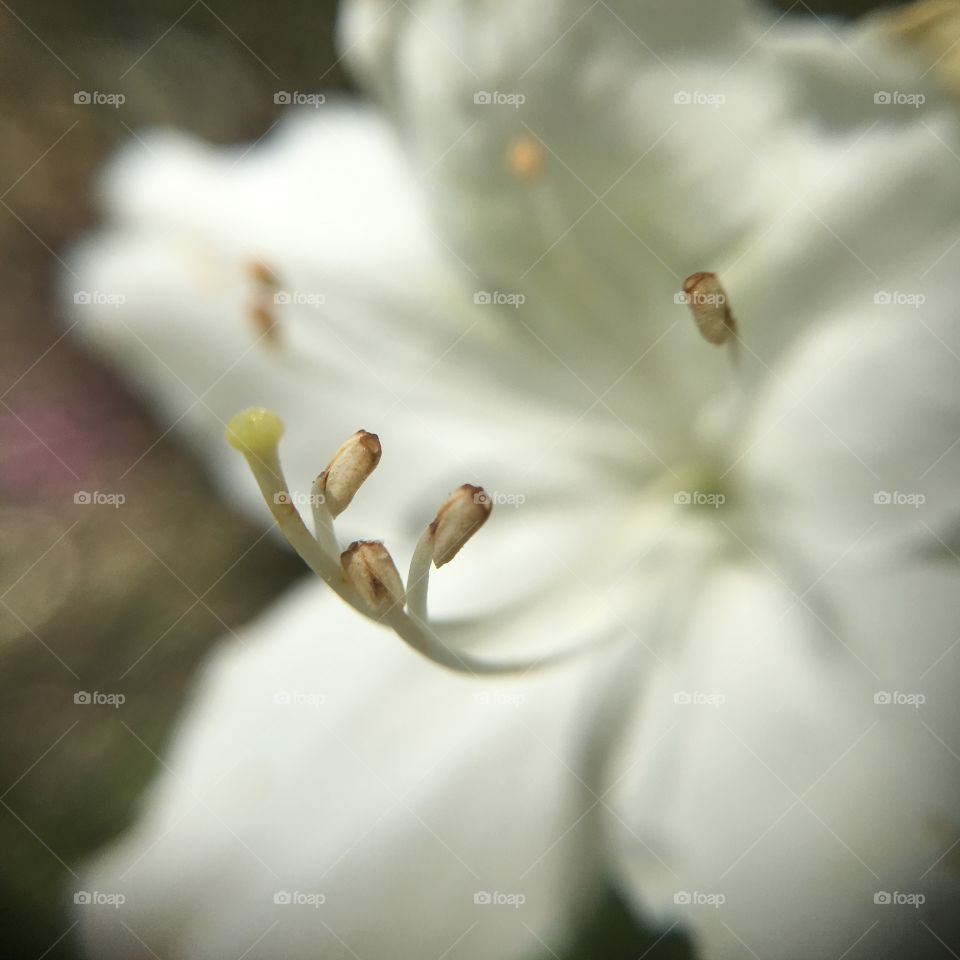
854	448
776	785
323	759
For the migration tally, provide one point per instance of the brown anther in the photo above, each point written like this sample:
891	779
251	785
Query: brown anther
373	574
460	516
262	275
711	311
265	323
349	467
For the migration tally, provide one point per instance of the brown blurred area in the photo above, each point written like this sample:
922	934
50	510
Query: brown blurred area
94	598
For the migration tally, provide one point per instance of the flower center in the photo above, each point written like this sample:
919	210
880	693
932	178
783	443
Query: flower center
364	574
701	490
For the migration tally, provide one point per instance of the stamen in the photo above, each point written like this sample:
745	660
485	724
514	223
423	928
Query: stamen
371	570
460	516
525	159
261	310
265	323
262	275
322	518
708	304
348	468
364	575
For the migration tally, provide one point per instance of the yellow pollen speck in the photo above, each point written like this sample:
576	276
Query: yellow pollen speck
525	159
254	431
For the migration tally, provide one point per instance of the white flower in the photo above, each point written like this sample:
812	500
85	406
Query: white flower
759	555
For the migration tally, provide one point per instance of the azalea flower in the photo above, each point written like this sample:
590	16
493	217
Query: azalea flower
675	284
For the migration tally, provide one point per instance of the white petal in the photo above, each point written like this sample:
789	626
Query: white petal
633	192
636	191
328	206
598	90
868	213
392	788
798	798
853	450
325	189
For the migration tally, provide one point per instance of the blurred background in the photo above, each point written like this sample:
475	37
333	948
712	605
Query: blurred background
92	598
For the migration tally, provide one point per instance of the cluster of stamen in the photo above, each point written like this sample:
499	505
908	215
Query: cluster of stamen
364	574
